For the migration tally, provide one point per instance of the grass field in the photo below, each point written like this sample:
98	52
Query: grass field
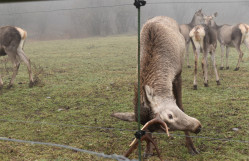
83	81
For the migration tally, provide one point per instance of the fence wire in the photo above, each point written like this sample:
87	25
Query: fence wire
118	129
122	5
113	156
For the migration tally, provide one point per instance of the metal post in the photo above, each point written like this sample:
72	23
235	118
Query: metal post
138	4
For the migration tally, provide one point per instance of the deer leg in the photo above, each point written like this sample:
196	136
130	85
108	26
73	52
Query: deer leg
196	52
205	70
16	65
227	54
177	90
222	55
190	145
12	55
149	147
215	69
246	42
240	57
26	60
1	83
187	54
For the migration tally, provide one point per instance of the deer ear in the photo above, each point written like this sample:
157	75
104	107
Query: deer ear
200	10
149	93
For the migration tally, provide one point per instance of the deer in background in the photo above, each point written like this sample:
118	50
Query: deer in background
11	43
203	38
186	28
230	36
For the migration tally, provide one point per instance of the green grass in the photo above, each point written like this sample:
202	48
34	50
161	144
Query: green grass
83	81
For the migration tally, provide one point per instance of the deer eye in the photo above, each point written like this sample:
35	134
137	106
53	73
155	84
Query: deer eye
170	116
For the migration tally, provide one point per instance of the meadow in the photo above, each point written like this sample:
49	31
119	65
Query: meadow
83	81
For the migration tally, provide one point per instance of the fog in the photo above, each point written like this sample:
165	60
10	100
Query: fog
67	19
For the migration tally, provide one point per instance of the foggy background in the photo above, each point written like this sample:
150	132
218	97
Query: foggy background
67	19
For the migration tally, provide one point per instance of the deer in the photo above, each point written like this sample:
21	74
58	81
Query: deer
197	19
204	39
230	36
12	41
162	50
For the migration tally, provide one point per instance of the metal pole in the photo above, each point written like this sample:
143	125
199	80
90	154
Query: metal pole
138	4
138	84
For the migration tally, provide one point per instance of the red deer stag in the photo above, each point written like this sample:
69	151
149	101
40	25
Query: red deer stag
162	50
230	36
11	43
203	38
186	28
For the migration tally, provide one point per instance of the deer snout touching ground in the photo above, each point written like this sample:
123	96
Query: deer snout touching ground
198	129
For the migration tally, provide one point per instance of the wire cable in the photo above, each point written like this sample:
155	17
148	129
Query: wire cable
67	9
128	130
121	5
196	2
113	156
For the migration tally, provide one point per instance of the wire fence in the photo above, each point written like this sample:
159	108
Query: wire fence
113	156
117	129
123	5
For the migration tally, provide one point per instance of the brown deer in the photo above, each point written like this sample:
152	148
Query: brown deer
203	38
12	40
162	50
186	28
230	36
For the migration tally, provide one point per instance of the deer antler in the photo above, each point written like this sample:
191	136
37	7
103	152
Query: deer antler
148	137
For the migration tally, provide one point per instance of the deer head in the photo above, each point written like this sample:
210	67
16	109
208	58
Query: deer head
198	18
209	20
170	113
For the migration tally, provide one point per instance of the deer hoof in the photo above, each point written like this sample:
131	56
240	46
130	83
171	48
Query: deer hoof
195	87
218	82
192	150
31	84
189	66
205	84
147	155
236	69
221	68
227	68
9	86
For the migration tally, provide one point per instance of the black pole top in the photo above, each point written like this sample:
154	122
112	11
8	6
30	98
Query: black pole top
139	3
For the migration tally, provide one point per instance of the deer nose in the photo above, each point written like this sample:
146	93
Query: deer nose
198	129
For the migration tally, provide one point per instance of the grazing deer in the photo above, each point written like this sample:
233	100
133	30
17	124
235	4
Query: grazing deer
230	36
11	43
186	28
203	38
161	60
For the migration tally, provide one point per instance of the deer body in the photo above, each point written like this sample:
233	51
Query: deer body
204	38
186	28
230	36
162	50
11	43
